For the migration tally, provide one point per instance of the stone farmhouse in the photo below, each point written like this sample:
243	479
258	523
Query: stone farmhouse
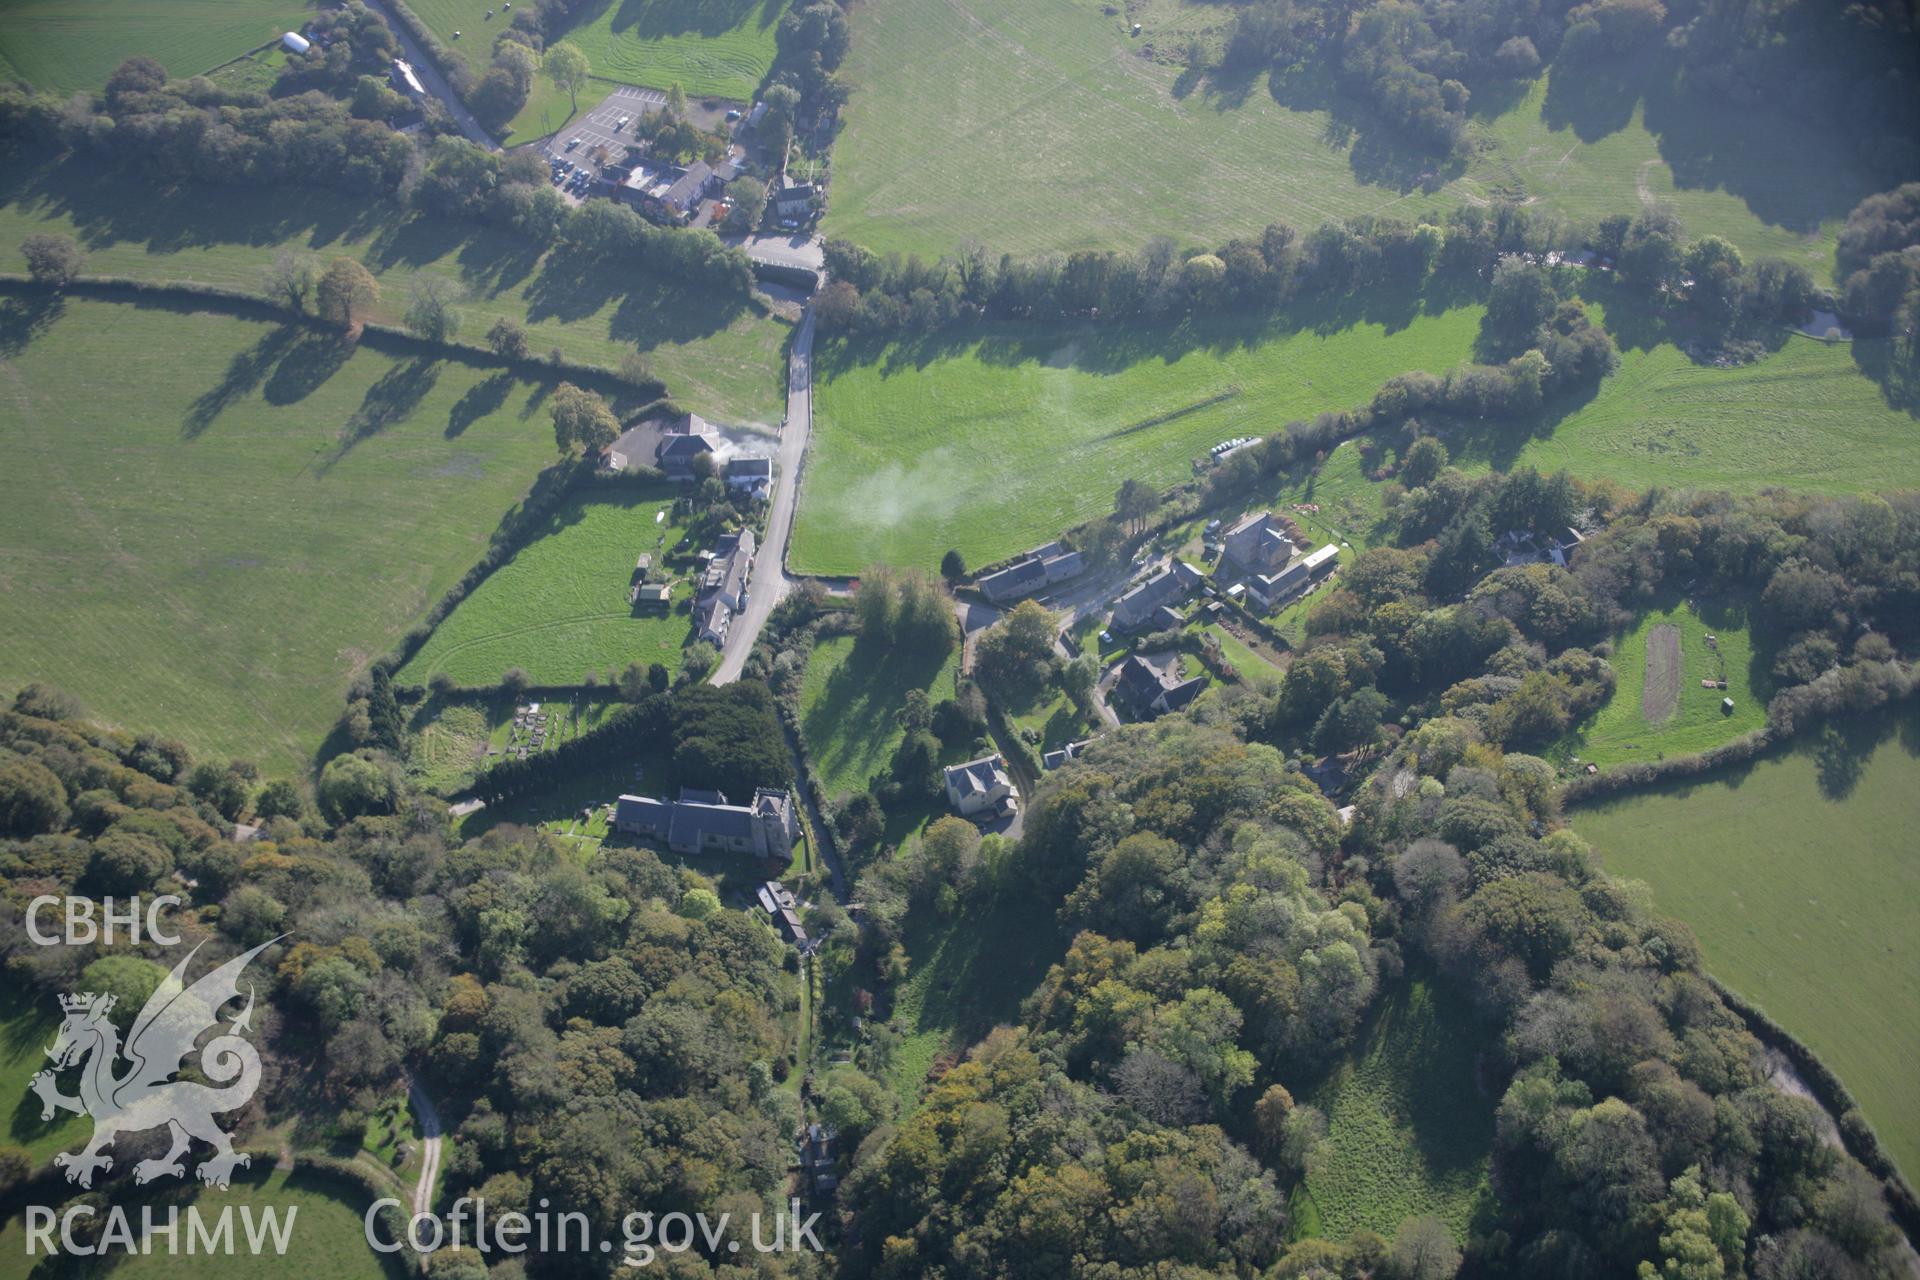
1040	567
1140	606
722	592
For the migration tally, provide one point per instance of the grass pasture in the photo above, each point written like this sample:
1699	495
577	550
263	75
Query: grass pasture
1631	726
1809	414
1798	874
711	48
993	443
558	608
214	539
326	1240
1060	130
722	357
1408	1130
68	45
451	737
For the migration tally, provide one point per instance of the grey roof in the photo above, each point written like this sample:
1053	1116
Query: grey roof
1171	583
698	795
684	448
1064	565
693	819
689	186
977	777
643	811
1023	575
750	465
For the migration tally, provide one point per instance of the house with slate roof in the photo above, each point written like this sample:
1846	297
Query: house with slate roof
981	789
1040	567
1138	607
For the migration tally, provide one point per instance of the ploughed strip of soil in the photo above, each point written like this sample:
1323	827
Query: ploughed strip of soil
1660	696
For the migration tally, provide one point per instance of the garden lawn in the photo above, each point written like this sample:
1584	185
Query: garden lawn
996	443
710	48
848	701
1806	416
1253	669
1408	1130
722	357
214	524
450	738
67	45
326	1240
558	609
1053	128
1619	731
1799	874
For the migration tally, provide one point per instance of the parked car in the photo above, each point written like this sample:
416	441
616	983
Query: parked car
622	123
733	115
572	143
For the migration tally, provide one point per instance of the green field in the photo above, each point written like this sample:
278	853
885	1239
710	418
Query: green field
994	444
68	45
326	1241
1799	874
1806	415
27	1026
234	518
722	357
1408	1130
1057	130
1692	719
549	107
718	48
558	609
847	707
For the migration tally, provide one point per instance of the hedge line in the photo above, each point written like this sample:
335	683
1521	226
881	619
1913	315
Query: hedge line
1856	1132
452	68
388	338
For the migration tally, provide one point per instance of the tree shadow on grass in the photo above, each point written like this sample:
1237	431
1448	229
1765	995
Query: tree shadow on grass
305	367
481	399
390	400
245	372
1892	366
25	318
857	707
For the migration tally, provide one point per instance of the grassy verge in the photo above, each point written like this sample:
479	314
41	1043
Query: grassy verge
214	539
1797	874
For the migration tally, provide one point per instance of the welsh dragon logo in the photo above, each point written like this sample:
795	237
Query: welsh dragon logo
144	1095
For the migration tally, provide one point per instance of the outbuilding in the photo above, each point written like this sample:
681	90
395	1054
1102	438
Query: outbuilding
294	42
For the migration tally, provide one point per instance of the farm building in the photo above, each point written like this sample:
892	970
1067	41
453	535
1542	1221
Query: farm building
406	79
294	42
1256	544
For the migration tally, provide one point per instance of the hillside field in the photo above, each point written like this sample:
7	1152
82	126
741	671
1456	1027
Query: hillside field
993	444
1685	718
558	609
710	48
27	1027
212	541
1798	874
1055	129
721	357
1408	1130
69	45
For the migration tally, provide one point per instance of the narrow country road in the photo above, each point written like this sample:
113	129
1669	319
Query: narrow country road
429	1147
771	582
431	79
